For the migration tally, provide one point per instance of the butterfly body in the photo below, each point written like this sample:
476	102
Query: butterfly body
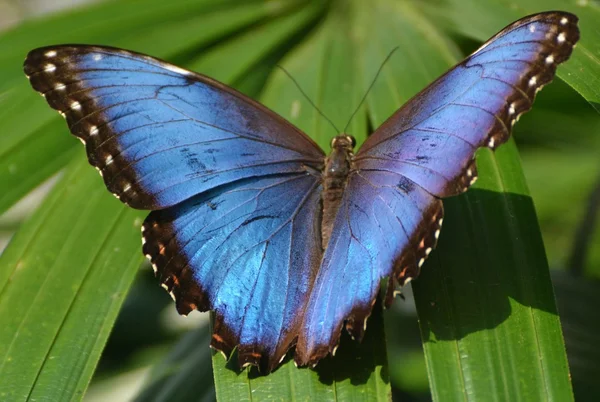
251	220
335	176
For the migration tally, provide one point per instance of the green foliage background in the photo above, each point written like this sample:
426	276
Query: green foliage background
77	304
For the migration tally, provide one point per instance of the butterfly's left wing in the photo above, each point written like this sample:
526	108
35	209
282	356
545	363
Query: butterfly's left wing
391	212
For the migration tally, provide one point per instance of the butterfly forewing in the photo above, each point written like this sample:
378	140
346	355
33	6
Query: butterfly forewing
432	139
160	134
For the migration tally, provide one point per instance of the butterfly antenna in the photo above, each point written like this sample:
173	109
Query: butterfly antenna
370	86
308	99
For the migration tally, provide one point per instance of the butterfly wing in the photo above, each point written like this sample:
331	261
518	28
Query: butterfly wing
433	138
391	212
160	134
237	188
380	215
247	250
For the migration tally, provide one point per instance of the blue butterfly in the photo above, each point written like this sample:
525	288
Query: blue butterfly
251	219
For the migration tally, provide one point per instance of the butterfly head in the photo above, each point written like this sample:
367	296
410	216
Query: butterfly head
343	142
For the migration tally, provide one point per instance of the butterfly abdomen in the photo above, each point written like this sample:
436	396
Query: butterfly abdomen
335	177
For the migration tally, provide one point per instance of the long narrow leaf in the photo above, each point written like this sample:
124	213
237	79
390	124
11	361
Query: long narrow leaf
63	279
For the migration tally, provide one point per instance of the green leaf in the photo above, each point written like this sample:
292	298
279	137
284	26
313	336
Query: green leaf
578	298
63	279
485	299
556	195
187	363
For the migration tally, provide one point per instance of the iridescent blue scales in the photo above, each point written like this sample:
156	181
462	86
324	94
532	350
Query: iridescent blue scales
251	220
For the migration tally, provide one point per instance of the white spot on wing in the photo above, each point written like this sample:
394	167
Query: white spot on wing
550	59
93	130
75	105
564	21
49	68
127	188
421	261
428	251
108	160
437	234
59	86
491	142
532	28
97	57
511	109
561	37
333	351
52	53
473	180
532	81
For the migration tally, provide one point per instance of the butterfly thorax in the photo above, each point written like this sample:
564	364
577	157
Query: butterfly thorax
335	177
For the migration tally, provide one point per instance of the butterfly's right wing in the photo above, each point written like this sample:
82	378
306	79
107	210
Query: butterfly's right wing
236	187
391	211
160	134
249	251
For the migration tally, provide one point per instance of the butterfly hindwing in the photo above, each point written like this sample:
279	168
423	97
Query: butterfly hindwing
381	215
160	134
249	251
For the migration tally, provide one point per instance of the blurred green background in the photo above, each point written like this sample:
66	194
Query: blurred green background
152	353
